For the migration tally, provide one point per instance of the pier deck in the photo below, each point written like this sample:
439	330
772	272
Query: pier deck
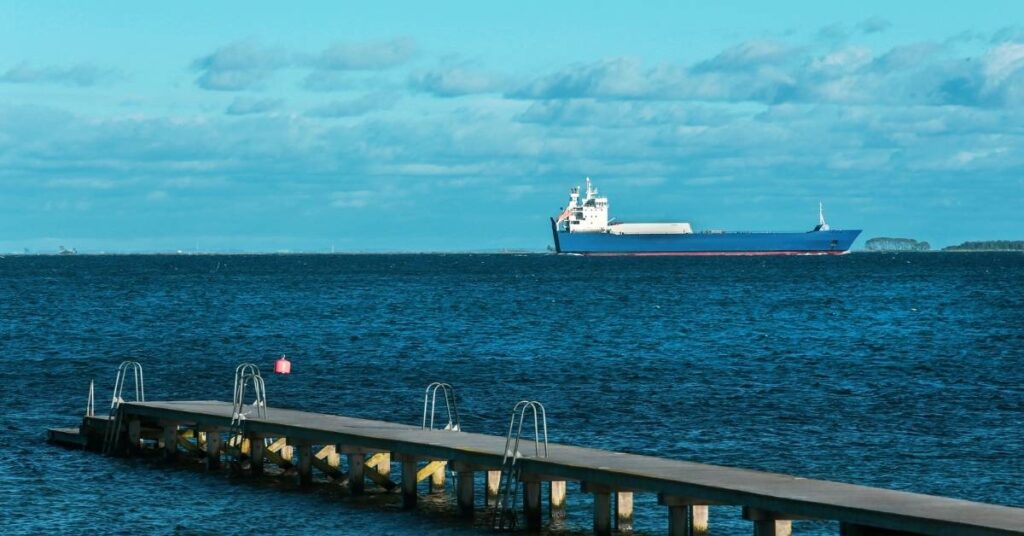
859	509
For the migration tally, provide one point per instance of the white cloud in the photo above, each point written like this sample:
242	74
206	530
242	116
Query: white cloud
366	56
352	199
75	75
455	82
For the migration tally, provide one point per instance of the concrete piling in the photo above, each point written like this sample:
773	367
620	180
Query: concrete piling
213	448
773	527
437	480
465	486
493	484
356	473
134	435
602	507
531	505
699	519
305	466
602	514
678	520
170	441
408	482
768	523
624	511
556	499
686	517
256	455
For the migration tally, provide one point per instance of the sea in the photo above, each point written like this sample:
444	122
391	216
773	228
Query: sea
902	371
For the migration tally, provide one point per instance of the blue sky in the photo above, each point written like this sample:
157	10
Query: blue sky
256	126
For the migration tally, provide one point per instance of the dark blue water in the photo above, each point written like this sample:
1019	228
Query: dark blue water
901	371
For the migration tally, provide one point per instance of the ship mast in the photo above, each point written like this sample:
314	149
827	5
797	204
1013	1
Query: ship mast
822	226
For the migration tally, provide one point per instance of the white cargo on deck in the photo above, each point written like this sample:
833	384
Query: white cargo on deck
650	228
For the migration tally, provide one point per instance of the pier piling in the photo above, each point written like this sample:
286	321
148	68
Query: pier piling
465	485
769	523
687	516
305	467
531	505
256	455
699	519
602	514
408	482
493	482
170	441
556	499
437	480
624	511
602	507
356	473
213	448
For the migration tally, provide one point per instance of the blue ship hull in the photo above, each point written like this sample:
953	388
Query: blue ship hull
832	242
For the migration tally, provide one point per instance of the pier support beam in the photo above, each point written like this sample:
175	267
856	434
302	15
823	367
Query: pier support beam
170	440
213	448
602	507
356	472
408	481
305	466
769	523
624	511
304	463
465	486
602	514
256	455
556	499
134	436
437	480
493	483
531	505
699	519
687	516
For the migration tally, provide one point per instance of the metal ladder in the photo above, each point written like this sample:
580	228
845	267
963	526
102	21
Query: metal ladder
504	514
452	407
112	436
245	374
449	401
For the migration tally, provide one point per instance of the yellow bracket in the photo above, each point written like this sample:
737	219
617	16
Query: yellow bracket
429	469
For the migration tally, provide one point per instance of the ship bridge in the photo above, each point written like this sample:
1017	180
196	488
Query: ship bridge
590	215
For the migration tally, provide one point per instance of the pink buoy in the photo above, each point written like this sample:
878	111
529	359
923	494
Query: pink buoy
283	366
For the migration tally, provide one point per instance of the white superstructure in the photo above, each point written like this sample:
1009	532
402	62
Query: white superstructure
590	215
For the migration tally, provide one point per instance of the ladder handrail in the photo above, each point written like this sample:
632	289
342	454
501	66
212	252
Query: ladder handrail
245	373
119	380
111	436
90	404
508	486
450	404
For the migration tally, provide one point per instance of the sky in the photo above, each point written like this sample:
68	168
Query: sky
460	126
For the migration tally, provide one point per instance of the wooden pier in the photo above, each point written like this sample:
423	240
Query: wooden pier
307	441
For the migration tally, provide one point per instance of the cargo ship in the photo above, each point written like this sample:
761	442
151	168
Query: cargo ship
583	228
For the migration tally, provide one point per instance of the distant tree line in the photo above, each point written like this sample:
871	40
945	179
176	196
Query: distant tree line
885	243
988	245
